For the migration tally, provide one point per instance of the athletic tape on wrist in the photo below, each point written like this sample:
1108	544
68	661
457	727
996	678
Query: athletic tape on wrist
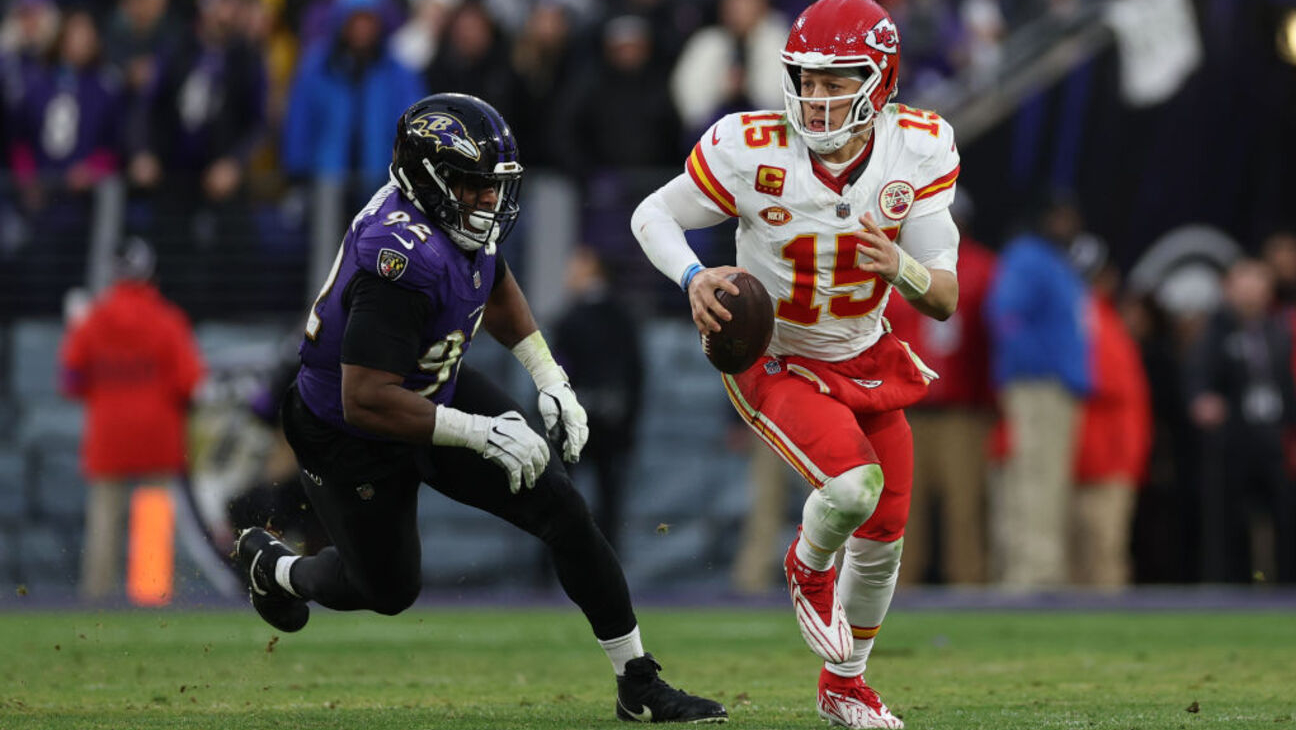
458	428
913	280
533	352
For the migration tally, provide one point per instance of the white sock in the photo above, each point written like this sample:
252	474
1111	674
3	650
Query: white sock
858	661
812	556
283	571
622	649
867	584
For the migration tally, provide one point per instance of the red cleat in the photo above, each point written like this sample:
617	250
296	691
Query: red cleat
819	614
851	703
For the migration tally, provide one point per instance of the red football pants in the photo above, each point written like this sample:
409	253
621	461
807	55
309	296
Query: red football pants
800	413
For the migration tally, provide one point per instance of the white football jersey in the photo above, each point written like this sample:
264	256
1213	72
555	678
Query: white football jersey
795	228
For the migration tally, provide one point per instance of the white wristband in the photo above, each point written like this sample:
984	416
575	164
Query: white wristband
913	279
458	428
533	352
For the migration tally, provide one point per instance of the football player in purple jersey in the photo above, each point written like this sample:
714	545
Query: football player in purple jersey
382	404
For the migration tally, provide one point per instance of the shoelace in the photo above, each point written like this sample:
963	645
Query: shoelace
657	685
870	696
863	692
815	585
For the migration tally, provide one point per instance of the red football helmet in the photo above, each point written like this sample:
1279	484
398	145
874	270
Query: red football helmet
854	36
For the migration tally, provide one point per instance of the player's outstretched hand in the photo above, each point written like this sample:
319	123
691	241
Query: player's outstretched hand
515	448
880	254
564	419
707	312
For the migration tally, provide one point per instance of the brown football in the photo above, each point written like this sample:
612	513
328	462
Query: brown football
742	340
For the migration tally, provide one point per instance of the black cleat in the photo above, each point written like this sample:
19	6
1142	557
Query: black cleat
642	696
256	552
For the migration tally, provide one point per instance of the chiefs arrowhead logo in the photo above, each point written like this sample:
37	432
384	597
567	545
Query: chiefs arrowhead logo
895	199
884	37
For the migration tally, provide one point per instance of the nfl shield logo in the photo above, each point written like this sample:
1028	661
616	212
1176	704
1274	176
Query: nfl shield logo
843	209
476	279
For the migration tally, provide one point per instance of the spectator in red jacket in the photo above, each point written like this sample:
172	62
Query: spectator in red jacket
132	358
1115	434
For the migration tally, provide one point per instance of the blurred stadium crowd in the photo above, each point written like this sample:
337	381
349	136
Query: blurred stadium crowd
238	136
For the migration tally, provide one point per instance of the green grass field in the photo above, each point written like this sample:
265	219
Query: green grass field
539	668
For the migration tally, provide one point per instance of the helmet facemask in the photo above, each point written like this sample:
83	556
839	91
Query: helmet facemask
455	159
860	112
433	191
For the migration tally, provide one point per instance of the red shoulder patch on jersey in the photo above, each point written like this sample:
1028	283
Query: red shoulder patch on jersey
769	179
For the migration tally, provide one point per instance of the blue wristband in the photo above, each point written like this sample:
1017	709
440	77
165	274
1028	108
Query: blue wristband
689	273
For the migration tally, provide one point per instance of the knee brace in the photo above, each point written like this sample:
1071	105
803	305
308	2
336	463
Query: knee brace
847	500
842	504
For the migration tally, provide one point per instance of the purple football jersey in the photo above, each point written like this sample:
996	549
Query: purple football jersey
392	239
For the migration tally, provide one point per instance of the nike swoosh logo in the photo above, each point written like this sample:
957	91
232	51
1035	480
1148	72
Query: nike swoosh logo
643	715
404	243
715	136
252	574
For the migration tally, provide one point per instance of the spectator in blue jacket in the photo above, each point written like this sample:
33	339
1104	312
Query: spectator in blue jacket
1040	365
347	90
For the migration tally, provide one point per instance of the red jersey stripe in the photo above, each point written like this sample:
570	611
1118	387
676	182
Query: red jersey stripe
708	183
941	183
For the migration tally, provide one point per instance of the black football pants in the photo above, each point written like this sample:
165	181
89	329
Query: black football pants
366	495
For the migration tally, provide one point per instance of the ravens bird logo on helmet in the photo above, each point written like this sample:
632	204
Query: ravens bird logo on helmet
445	132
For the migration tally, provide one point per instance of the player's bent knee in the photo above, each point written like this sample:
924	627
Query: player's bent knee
854	494
567	517
887	523
396	600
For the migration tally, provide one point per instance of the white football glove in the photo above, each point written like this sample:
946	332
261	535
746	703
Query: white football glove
506	440
515	448
564	418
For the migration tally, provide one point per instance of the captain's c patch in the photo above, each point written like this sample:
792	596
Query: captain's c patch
769	179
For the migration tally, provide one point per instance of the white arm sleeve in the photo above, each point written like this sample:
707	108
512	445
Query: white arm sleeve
932	240
661	219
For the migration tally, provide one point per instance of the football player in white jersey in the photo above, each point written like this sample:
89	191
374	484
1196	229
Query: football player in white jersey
841	198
